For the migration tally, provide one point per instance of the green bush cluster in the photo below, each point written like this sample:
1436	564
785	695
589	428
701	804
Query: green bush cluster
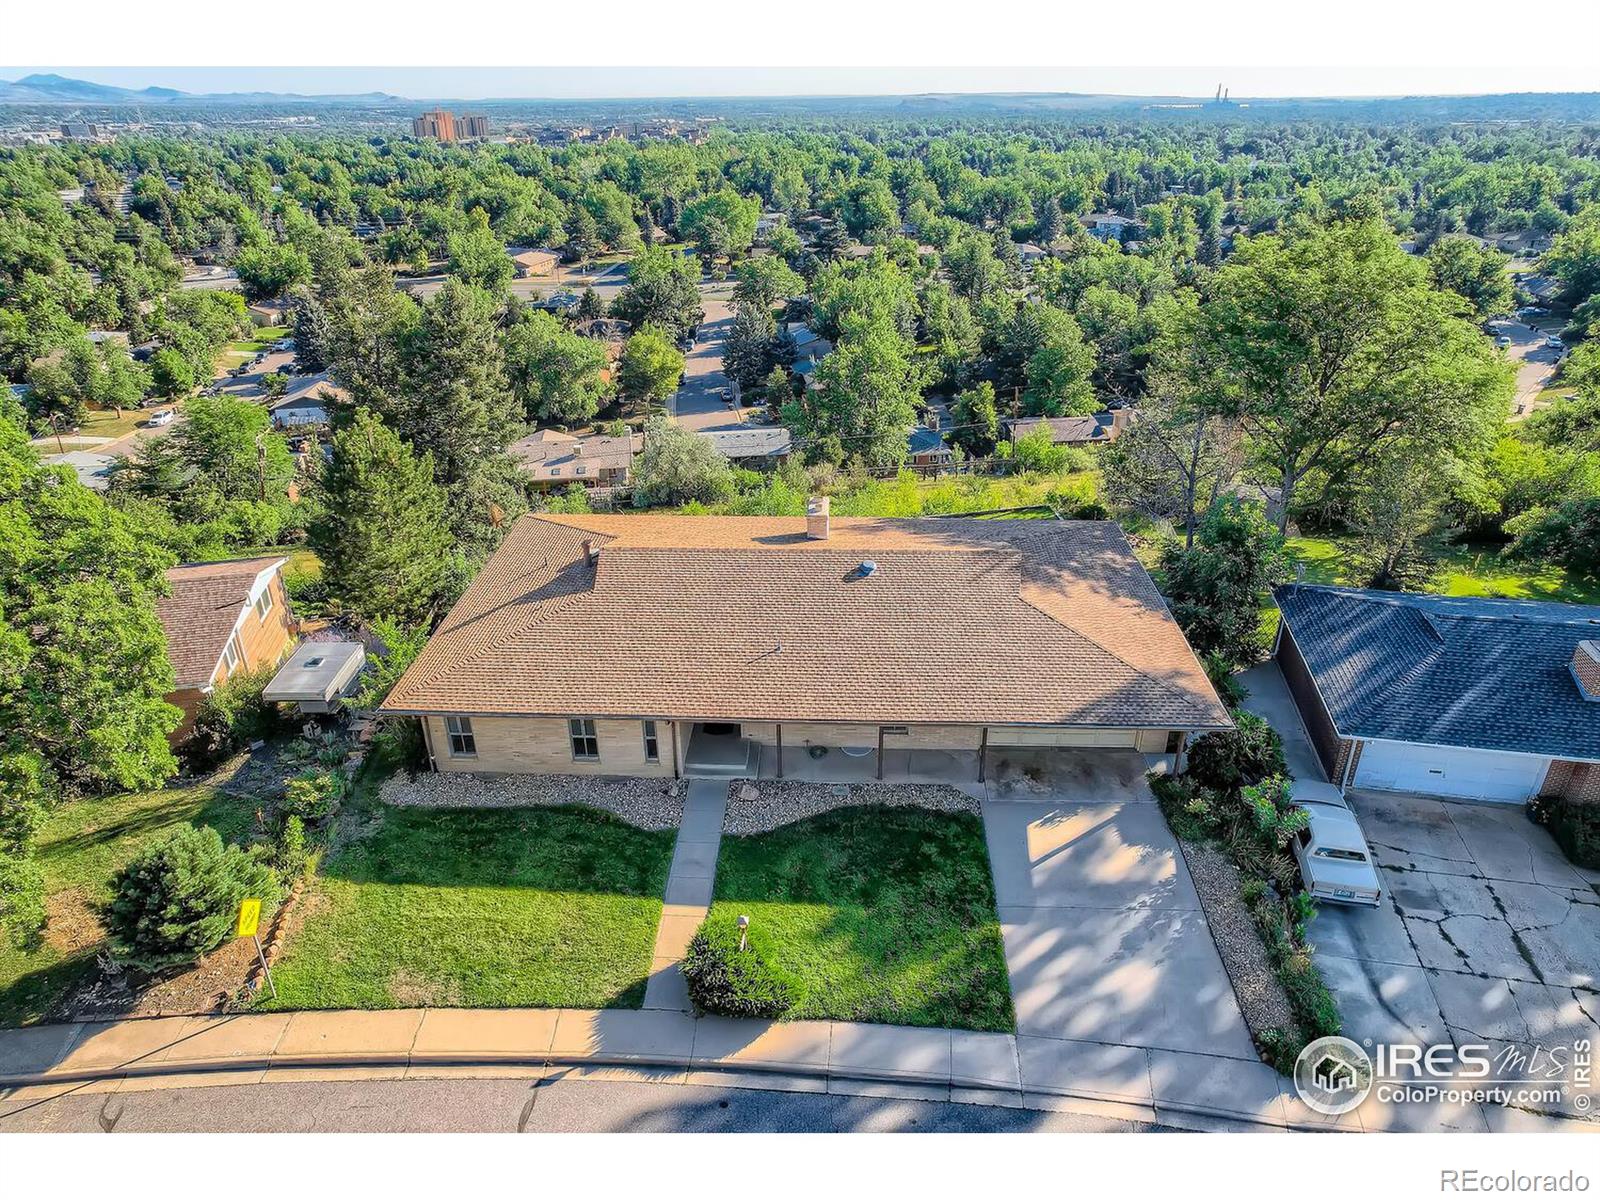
314	795
231	717
1246	754
1236	793
1574	825
731	982
180	897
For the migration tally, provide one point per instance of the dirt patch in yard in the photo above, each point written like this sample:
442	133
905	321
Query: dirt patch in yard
410	990
207	987
72	924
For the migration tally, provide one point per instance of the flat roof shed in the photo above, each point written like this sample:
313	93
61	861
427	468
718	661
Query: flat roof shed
317	675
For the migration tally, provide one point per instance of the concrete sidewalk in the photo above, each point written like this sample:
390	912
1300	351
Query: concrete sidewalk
840	1057
662	1046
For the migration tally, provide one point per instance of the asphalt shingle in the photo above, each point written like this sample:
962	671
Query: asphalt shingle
1448	670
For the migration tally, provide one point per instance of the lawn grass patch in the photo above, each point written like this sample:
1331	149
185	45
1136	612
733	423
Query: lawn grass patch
877	914
1460	570
81	846
480	908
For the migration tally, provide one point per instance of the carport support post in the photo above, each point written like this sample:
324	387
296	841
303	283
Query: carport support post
778	728
880	752
983	751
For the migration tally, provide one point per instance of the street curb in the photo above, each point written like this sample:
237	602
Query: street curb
1014	1097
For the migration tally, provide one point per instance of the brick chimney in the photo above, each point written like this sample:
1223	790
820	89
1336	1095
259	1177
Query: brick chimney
817	518
1586	669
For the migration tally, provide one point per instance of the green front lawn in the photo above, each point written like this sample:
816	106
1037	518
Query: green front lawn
1461	571
879	914
480	908
81	846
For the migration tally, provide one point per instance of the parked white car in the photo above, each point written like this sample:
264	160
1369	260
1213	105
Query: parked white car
1331	851
164	417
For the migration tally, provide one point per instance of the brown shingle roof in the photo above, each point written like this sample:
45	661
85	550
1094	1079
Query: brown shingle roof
200	615
964	621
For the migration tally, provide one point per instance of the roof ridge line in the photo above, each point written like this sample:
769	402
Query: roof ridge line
1140	671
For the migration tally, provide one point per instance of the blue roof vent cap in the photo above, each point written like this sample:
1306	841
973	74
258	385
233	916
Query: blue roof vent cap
867	567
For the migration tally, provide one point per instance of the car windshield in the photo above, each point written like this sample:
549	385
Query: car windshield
1341	855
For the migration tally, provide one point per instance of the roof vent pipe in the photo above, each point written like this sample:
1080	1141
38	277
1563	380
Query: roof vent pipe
590	554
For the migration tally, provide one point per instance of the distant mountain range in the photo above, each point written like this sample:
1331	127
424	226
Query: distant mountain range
58	89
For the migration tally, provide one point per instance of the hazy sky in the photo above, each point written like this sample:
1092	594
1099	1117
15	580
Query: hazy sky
474	83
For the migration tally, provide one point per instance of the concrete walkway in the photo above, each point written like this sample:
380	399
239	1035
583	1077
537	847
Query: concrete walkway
688	894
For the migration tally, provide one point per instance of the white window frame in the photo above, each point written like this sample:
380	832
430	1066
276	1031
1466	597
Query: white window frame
231	655
263	603
652	742
459	737
581	735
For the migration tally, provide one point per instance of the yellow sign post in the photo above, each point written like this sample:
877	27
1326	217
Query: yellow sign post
249	922
249	917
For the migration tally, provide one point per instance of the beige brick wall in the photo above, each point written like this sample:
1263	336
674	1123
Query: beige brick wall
542	746
1085	739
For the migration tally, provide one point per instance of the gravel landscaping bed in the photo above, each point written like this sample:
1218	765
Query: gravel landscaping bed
646	803
1261	997
757	807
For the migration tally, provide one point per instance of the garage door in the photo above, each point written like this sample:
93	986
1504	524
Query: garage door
1447	771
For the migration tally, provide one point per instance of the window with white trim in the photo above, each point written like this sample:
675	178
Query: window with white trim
585	741
652	744
230	656
463	743
263	604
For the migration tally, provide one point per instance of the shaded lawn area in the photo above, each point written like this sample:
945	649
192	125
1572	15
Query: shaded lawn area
81	846
487	908
1461	570
879	914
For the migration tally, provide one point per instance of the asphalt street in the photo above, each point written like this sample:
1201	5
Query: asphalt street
462	1105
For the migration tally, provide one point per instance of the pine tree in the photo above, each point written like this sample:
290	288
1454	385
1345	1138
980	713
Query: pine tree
178	899
381	532
456	404
747	355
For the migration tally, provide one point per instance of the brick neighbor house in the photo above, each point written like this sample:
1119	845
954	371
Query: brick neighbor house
697	645
223	618
1446	695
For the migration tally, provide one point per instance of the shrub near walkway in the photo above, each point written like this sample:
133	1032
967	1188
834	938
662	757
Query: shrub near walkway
480	908
874	914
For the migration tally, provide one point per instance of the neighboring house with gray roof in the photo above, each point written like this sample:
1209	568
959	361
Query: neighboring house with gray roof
743	447
1446	695
1092	430
93	470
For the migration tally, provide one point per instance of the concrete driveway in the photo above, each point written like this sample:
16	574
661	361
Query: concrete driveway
1486	933
1117	983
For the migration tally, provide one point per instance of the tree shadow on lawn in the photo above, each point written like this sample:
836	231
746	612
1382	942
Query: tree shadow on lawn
562	849
882	914
230	816
492	908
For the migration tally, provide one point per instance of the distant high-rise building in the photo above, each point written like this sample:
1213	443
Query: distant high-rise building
450	127
436	124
